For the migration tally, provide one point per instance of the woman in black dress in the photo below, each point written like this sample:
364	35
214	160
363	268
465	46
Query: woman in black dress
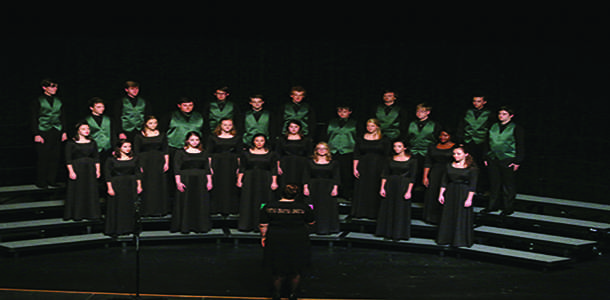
224	146
285	238
322	177
370	153
82	161
293	149
193	180
437	158
397	179
123	180
457	190
257	179
150	145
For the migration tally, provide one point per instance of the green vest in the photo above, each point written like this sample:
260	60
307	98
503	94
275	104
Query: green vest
475	130
252	126
133	117
216	114
389	123
179	126
302	114
341	139
100	133
420	140
502	145
49	116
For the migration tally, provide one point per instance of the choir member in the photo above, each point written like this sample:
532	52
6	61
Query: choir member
193	179
297	110
130	111
437	157
48	128
392	117
504	157
369	155
82	162
124	183
321	178
150	145
456	194
257	179
293	148
224	147
341	135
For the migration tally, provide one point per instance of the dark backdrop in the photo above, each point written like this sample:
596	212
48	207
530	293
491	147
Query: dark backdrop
558	89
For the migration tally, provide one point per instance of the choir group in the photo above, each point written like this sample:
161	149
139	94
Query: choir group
224	160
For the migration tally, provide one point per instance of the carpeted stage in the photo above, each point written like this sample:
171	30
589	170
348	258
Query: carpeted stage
548	249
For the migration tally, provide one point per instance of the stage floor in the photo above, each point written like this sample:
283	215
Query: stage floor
207	270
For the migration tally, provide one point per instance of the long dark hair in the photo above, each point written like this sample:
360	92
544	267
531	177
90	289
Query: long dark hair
117	149
188	136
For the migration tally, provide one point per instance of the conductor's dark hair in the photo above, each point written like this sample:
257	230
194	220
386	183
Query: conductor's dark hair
290	191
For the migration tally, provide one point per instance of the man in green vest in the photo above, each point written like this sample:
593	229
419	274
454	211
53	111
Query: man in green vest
297	110
220	108
258	120
102	128
48	127
422	133
473	131
341	135
130	111
391	116
505	151
181	122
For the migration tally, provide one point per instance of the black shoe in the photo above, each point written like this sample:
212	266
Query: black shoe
293	296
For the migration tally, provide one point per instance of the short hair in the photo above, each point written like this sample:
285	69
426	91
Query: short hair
184	100
424	106
131	83
507	109
47	82
257	96
298	88
95	100
223	88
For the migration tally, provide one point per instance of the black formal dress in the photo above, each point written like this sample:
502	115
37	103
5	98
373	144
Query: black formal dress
456	224
394	219
287	248
257	170
151	151
320	179
436	160
224	197
120	208
191	211
82	194
371	155
293	157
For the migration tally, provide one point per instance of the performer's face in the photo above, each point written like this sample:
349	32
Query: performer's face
186	107
132	91
459	155
399	147
389	98
297	97
478	102
294	128
98	109
422	113
226	125
50	90
371	127
221	95
83	130
343	113
504	116
126	148
259	142
321	150
193	141
257	103
444	137
152	124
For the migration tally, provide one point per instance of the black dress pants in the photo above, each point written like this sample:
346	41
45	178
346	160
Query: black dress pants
502	191
48	158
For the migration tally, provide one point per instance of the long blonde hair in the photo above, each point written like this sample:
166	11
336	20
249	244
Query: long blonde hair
315	155
378	124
